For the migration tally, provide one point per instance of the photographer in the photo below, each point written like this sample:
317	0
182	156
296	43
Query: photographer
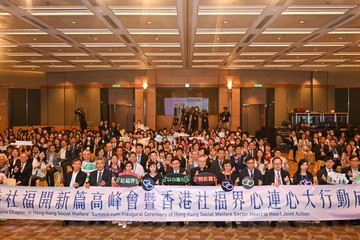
81	114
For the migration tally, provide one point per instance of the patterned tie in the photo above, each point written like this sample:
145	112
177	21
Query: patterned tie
99	179
278	178
251	174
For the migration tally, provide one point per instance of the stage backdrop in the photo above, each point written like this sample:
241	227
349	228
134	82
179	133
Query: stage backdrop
182	203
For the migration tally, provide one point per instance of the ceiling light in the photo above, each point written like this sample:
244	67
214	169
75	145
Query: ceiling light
154	31
117	54
45	61
78	31
345	31
50	45
25	66
249	60
301	22
229	84
95	39
69	54
145	85
270	44
148	22
22	32
221	31
331	60
85	60
289	30
58	11
318	10
187	85
97	66
19	54
348	65
242	66
103	44
141	11
211	54
288	60
163	54
225	22
304	53
206	60
279	38
60	66
73	22
243	10
258	53
159	44
215	44
347	53
326	44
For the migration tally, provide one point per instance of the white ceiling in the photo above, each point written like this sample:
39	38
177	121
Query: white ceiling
73	35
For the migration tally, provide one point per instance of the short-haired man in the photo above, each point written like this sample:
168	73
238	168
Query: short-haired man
276	177
23	170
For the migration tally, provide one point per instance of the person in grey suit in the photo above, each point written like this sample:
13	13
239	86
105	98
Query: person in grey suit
53	165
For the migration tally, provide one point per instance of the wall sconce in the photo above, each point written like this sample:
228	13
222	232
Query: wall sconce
145	85
229	85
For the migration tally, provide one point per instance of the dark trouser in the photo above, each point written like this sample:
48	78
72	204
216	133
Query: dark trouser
50	176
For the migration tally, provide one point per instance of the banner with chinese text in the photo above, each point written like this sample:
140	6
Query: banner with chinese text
182	203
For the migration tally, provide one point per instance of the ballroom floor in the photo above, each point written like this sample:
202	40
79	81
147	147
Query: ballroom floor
37	229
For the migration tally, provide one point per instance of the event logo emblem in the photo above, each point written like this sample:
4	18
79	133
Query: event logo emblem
247	182
227	185
148	184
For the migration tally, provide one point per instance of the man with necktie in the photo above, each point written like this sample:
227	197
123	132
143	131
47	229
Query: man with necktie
276	176
23	170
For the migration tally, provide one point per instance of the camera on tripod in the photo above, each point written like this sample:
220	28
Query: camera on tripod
79	111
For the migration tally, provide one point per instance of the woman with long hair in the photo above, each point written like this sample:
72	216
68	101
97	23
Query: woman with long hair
302	176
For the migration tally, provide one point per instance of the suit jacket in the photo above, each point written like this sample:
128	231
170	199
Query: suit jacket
325	149
216	168
240	164
256	176
270	176
56	160
332	152
143	160
24	176
321	172
171	171
73	152
106	176
80	178
346	170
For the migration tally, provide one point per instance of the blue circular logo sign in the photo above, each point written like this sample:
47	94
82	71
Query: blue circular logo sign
148	184
227	185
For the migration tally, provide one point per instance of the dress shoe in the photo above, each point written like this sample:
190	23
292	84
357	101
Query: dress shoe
273	224
292	224
244	224
234	225
65	223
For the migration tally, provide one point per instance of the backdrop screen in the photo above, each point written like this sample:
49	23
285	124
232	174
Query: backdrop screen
169	98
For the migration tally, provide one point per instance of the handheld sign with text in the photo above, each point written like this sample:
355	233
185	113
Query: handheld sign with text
205	179
127	181
176	179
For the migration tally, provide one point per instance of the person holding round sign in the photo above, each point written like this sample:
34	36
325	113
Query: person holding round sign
153	174
228	179
126	179
250	177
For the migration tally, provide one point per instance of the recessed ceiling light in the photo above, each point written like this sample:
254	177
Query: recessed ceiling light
110	49
156	38
73	22
161	50
59	50
95	39
302	22
225	22
279	38
218	38
315	49
340	38
34	39
148	22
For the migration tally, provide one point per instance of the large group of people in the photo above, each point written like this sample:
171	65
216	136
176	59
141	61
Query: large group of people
56	157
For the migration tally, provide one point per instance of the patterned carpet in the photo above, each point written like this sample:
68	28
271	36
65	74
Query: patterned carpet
30	229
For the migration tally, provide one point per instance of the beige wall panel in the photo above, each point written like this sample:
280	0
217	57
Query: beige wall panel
254	95
293	99
55	106
281	106
4	109
235	109
304	98
70	106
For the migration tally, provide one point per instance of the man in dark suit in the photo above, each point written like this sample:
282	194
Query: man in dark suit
276	176
75	178
23	170
141	157
322	176
322	150
237	160
335	153
101	176
323	172
353	171
175	169
254	174
217	165
200	169
73	150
